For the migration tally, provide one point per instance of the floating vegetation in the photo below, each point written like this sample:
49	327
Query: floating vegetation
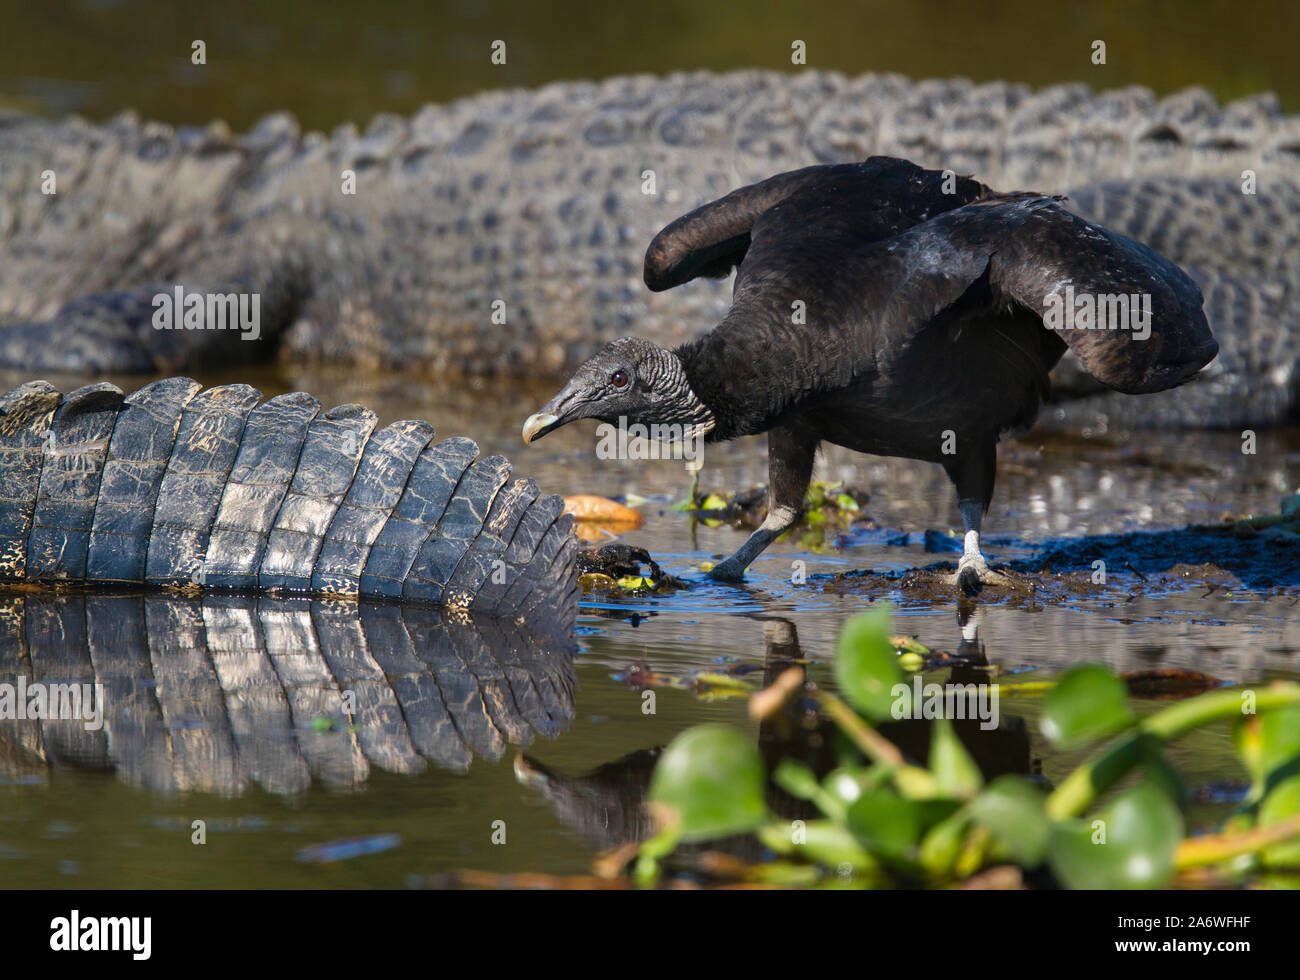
882	820
707	685
829	509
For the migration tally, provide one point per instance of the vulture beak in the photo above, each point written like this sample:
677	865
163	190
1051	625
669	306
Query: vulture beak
560	410
538	425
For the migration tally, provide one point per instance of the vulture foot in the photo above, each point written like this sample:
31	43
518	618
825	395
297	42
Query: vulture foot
972	573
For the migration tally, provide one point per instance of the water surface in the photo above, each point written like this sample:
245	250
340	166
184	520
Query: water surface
236	721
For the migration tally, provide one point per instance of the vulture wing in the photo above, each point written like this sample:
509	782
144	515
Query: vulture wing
865	298
1132	318
883	194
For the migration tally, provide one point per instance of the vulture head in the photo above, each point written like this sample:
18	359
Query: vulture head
632	380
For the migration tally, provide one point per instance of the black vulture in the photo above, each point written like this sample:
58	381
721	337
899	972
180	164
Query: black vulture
891	310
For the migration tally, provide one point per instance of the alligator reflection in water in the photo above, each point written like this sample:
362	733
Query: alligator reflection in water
605	805
226	692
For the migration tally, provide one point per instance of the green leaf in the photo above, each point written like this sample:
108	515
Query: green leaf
842	787
954	770
1282	803
1276	742
796	779
1088	703
822	841
866	667
632	583
1130	844
646	871
1159	770
847	783
712	775
942	843
885	823
1013	810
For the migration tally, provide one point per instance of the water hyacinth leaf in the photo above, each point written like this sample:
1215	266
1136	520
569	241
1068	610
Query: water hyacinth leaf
1278	742
821	841
1012	809
1088	703
1130	844
796	779
942	843
1159	770
847	783
866	667
1249	743
1269	745
712	776
885	823
1282	803
954	770
842	787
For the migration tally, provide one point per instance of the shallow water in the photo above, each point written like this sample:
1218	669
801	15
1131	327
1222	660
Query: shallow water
229	694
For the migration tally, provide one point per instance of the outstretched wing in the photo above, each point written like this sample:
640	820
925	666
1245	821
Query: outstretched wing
883	195
862	301
1132	317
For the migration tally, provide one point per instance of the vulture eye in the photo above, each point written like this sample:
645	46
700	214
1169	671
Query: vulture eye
619	379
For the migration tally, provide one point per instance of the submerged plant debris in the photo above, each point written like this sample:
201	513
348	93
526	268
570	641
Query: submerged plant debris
829	509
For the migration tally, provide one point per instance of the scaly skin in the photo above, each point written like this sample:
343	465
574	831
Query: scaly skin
537	201
222	694
176	487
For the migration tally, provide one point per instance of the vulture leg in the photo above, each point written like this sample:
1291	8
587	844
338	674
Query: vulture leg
973	475
790	455
972	568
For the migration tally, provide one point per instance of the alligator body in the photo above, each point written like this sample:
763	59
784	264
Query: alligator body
174	486
226	692
504	232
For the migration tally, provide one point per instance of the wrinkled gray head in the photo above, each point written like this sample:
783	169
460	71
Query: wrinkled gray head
631	378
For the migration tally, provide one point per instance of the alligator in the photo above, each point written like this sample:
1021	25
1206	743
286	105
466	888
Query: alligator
502	233
222	693
190	489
